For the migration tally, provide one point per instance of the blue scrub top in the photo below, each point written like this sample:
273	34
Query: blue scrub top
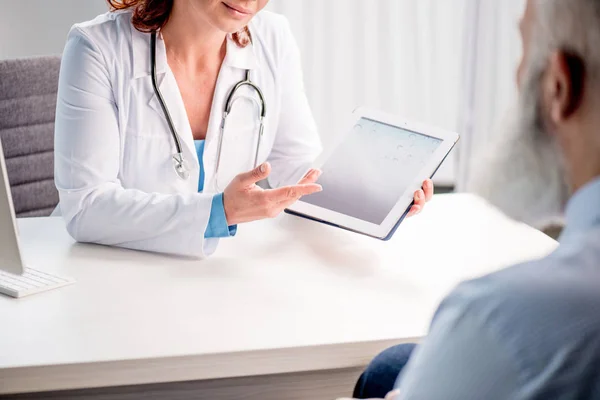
217	223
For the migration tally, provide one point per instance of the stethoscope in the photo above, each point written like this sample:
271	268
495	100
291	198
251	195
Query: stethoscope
181	167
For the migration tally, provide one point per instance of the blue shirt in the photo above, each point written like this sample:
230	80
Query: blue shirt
528	332
217	223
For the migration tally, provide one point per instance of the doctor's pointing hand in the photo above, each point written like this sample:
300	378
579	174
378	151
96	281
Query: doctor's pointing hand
169	113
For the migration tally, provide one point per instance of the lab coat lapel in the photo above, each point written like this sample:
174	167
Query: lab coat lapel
168	88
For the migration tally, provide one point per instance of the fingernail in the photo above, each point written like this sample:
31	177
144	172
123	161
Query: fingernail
263	168
418	196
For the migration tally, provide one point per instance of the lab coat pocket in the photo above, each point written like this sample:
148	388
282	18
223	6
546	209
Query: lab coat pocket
148	165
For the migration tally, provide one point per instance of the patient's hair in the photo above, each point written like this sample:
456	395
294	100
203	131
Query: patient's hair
572	26
152	15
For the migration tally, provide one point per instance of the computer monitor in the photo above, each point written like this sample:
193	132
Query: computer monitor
17	280
10	252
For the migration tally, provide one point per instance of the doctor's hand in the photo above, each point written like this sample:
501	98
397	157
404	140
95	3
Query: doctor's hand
422	196
244	201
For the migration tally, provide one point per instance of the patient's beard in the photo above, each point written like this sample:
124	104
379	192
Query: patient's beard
522	171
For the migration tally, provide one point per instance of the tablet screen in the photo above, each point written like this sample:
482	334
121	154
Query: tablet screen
370	170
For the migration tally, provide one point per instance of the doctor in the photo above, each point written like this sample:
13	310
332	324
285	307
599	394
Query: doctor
170	112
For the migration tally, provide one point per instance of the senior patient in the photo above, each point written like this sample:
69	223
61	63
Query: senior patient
531	331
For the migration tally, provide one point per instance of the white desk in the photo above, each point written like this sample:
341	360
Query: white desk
286	296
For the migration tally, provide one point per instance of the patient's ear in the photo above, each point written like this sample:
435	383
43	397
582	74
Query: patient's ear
563	85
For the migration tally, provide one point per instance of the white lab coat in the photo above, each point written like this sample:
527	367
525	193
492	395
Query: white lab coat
113	147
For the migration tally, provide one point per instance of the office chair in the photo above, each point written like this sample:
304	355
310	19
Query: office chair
28	90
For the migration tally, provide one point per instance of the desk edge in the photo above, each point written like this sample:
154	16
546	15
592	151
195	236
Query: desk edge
191	368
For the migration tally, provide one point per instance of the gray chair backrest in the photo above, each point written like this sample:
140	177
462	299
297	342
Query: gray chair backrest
27	107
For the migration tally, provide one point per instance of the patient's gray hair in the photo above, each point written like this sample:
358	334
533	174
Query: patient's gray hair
569	25
522	170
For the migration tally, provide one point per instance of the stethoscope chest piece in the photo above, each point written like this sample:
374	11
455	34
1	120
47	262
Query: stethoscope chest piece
181	167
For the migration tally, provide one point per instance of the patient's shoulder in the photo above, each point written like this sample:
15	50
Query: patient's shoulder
537	309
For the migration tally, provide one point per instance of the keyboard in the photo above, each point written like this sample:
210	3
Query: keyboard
32	281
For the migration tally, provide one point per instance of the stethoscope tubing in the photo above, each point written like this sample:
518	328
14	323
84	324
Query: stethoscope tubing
178	157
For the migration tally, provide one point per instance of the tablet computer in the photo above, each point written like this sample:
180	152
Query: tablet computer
371	174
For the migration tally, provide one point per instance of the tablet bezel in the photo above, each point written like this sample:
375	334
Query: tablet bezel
398	212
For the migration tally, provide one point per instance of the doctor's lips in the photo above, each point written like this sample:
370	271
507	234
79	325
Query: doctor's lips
240	11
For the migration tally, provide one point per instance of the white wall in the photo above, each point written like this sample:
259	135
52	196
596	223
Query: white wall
494	54
40	27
